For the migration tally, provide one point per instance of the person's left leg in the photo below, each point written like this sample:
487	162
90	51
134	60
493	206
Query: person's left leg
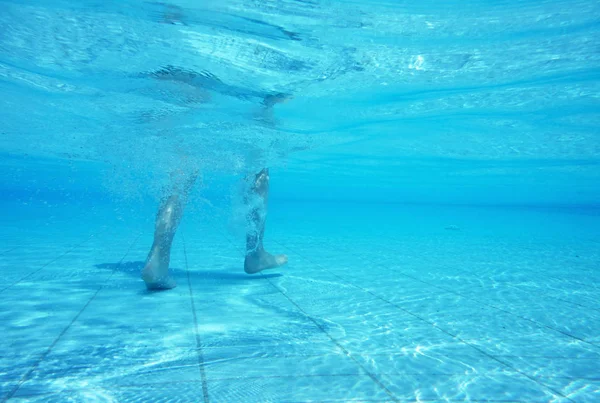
257	259
156	270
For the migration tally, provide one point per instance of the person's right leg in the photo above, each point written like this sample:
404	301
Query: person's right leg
156	271
257	259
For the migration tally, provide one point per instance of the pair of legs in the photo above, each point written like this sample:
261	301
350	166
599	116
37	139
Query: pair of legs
156	270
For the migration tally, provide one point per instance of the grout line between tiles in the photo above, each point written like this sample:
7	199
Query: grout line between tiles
546	293
327	355
540	325
335	341
47	264
489	305
197	333
66	393
295	376
323	330
582	285
529	271
26	376
10	250
507	285
324	355
494	358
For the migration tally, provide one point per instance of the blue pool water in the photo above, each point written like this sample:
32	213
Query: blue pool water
434	182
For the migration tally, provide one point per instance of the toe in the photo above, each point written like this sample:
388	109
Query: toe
281	260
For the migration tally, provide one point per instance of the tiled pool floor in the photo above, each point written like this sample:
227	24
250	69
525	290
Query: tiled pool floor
366	311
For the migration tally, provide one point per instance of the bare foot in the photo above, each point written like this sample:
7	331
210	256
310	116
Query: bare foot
259	261
156	274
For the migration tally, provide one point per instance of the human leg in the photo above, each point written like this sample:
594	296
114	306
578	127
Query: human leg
156	270
256	198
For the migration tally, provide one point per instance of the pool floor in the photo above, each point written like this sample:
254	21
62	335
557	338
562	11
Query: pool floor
377	304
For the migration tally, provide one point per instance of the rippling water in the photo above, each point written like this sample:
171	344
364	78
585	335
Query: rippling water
429	102
387	91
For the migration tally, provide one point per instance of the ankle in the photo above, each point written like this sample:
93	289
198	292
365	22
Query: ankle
255	252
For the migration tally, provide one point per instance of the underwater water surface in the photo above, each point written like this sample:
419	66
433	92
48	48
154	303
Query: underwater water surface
434	182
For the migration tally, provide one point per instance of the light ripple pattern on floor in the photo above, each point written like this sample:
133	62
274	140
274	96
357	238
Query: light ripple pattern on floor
364	312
